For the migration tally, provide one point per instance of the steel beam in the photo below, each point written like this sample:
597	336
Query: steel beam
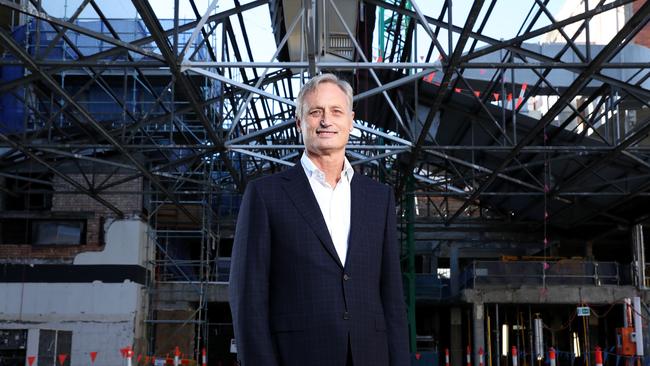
539	31
372	72
159	37
623	36
25	9
26	151
9	42
522	52
442	94
136	43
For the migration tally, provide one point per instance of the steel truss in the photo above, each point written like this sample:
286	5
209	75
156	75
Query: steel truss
459	116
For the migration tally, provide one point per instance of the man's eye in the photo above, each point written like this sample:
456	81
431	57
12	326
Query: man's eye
315	113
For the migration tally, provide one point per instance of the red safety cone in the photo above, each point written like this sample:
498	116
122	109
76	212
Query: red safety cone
204	358
469	356
93	357
129	356
480	356
514	355
446	356
599	356
551	356
177	356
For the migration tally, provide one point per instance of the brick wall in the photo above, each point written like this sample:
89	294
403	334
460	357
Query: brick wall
59	253
128	203
643	37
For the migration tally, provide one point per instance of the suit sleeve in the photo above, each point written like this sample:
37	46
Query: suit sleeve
392	295
249	282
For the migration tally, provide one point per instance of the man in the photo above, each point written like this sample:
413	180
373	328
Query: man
315	276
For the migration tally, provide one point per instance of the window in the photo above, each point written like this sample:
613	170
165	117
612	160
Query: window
50	232
13	347
30	194
52	343
42	231
14	231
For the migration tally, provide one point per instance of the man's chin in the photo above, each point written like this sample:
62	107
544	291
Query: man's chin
322	150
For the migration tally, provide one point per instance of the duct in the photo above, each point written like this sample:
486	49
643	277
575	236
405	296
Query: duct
330	41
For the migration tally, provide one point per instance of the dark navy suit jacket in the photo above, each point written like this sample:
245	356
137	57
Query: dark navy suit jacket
293	302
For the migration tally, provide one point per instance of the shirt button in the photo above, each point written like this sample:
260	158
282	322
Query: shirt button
346	316
346	277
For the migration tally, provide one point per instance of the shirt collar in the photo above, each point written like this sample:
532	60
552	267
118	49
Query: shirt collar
312	170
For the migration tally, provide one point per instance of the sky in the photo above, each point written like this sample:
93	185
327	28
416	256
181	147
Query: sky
504	22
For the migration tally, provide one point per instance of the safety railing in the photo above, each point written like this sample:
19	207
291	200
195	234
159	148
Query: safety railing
540	273
127	30
190	270
429	286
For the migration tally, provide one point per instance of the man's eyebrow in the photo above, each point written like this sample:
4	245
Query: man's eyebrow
313	107
337	106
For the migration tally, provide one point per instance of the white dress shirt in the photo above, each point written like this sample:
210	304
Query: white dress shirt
334	202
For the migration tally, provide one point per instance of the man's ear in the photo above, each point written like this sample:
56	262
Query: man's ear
298	125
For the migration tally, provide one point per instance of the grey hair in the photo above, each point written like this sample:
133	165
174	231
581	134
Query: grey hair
312	84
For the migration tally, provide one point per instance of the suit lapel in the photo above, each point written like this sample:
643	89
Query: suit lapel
358	197
298	189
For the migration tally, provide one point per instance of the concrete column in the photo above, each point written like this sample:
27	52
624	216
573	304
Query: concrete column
638	251
426	260
478	332
454	270
638	327
456	345
433	263
589	250
646	338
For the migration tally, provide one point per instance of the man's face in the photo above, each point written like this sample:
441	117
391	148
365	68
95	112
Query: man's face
327	120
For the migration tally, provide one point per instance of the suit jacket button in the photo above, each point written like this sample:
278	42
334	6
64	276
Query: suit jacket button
346	316
346	277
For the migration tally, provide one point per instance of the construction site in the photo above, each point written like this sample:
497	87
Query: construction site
515	135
